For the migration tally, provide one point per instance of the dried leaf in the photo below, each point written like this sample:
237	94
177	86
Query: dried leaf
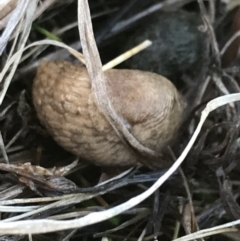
36	177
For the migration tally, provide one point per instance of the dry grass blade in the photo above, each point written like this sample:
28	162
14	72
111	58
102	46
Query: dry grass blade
40	10
10	143
19	209
67	200
32	5
75	53
210	29
125	224
6	7
97	78
14	20
229	227
11	192
229	42
3	149
18	55
35	200
192	225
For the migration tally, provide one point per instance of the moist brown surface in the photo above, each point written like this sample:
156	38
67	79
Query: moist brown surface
148	104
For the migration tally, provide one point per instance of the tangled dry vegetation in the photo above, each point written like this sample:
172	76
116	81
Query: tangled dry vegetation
46	193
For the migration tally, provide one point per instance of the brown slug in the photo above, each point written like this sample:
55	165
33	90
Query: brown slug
148	104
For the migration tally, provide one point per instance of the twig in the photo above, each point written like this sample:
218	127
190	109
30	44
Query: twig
128	54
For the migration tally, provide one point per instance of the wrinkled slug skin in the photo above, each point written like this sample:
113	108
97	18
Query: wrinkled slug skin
148	103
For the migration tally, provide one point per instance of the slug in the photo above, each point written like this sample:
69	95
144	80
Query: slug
149	105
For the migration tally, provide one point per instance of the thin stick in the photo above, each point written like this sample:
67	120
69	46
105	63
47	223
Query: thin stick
121	58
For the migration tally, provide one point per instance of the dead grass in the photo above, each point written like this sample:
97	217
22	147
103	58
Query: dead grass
200	200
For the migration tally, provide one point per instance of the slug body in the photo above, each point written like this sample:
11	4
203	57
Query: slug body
148	104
